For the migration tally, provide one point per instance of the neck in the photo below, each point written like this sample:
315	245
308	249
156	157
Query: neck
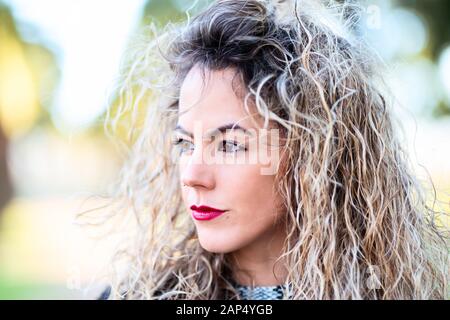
256	264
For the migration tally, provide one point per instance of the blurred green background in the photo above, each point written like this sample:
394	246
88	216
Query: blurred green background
58	63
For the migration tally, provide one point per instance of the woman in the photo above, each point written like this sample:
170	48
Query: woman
267	166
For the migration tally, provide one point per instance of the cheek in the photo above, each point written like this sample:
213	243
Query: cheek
250	195
254	208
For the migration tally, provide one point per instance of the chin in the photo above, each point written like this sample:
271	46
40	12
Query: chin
215	244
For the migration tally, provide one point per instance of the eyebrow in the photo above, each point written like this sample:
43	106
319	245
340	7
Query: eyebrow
214	132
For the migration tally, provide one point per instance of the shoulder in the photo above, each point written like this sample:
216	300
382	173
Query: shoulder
105	294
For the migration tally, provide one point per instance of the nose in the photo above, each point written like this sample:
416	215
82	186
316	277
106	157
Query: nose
196	173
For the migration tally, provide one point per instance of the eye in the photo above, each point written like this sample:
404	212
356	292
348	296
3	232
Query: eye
231	146
182	144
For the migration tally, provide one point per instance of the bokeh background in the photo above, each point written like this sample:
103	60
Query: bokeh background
58	63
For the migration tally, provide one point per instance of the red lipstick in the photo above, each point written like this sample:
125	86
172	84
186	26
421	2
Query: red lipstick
205	212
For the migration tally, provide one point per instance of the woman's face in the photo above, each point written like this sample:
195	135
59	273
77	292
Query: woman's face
221	171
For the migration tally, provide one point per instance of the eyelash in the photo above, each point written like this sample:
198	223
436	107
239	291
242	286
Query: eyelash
179	141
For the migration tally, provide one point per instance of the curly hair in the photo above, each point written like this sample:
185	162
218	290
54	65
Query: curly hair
358	223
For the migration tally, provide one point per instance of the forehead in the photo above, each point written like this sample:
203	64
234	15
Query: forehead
212	97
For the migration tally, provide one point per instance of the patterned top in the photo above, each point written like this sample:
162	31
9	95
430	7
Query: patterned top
245	292
260	292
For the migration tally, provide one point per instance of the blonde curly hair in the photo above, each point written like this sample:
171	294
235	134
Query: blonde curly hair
357	219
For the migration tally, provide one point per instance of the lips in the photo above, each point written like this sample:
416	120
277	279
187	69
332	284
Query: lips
205	212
